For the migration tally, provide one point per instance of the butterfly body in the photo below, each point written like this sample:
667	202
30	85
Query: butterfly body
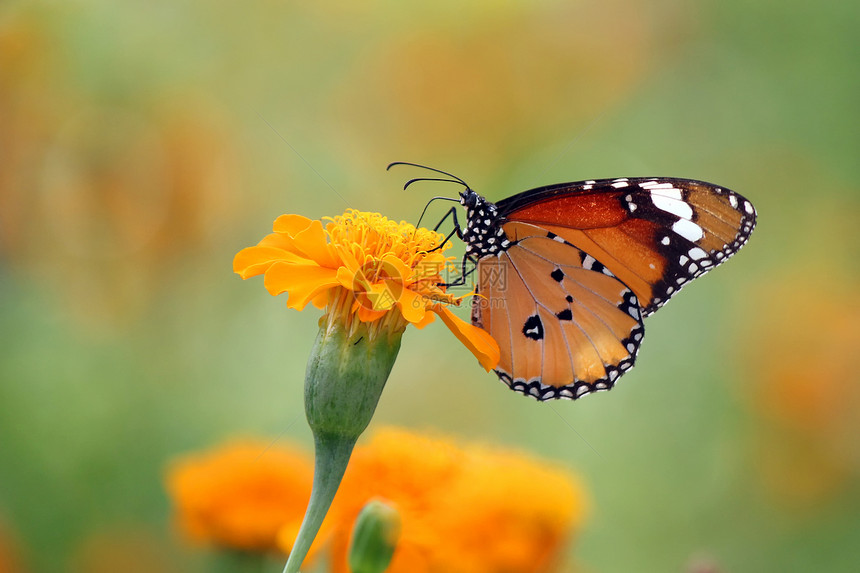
567	272
483	234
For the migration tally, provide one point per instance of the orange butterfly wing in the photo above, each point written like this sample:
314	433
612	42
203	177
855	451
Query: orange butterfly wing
564	330
655	235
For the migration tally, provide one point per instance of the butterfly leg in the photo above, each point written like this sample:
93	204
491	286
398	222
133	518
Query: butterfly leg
452	212
430	202
461	280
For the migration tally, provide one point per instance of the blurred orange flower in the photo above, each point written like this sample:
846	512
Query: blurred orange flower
463	508
130	549
10	555
801	360
98	199
365	267
243	495
499	80
28	67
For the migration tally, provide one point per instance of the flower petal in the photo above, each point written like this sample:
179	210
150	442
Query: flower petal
396	268
278	240
347	257
413	306
430	266
291	224
352	280
428	318
313	243
381	296
302	282
321	300
478	341
255	261
366	314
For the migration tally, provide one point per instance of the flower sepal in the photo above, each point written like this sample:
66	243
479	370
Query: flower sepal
345	376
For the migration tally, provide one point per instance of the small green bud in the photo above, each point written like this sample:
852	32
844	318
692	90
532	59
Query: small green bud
374	538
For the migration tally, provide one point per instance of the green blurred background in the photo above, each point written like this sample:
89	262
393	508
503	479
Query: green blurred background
143	144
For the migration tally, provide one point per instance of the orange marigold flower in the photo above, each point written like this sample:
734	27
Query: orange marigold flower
800	378
121	547
243	495
366	267
468	509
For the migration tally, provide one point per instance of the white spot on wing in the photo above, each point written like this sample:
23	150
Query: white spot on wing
688	229
696	253
588	262
672	205
656	185
666	190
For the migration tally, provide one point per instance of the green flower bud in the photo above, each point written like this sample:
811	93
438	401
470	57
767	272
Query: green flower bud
345	376
374	538
346	373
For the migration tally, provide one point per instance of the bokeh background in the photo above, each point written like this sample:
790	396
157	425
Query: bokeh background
143	144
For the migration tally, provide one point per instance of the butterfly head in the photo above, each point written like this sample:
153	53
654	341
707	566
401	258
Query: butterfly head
469	199
483	234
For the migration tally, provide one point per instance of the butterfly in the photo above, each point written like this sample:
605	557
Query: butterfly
567	272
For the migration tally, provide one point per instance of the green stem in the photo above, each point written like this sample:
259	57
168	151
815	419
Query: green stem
332	455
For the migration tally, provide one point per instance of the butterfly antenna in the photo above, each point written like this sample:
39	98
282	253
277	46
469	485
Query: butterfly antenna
452	212
411	181
390	165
